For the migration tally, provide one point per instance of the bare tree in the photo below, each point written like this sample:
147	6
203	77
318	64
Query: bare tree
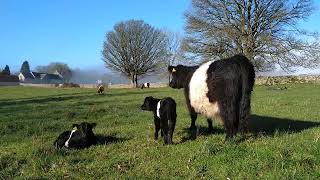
134	49
174	50
265	31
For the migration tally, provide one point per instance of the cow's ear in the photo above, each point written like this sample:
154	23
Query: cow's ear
172	69
93	125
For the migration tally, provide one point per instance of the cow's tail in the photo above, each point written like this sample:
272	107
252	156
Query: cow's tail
247	78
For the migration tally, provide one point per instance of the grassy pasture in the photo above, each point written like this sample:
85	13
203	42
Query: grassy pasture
284	142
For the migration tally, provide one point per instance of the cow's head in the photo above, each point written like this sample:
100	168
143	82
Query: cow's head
179	76
149	104
81	136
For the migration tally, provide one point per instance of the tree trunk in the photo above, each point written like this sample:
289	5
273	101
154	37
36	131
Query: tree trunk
136	81
132	81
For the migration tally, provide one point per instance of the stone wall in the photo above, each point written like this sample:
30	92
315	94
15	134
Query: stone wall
113	86
9	83
274	80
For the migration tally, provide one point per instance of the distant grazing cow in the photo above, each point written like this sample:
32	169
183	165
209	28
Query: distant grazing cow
164	113
100	89
145	85
218	89
81	136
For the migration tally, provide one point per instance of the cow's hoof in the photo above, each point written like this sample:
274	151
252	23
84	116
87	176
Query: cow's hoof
230	139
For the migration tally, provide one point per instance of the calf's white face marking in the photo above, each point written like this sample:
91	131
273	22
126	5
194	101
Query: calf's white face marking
158	108
198	90
67	142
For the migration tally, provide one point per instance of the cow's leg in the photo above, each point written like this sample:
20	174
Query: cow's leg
210	127
193	116
192	113
157	128
244	113
229	119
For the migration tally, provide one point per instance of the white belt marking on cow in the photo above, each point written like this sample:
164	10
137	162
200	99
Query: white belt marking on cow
198	89
67	142
158	108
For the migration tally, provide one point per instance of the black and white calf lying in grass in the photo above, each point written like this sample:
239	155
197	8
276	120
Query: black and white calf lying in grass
220	89
81	136
165	115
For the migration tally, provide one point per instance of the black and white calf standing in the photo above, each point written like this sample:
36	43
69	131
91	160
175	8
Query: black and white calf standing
165	115
145	85
100	89
81	136
219	88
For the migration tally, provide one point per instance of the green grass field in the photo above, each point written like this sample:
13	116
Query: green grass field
284	142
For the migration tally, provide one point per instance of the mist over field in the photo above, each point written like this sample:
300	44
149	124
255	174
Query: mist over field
92	75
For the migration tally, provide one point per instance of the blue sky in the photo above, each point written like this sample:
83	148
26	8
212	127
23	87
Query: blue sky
72	31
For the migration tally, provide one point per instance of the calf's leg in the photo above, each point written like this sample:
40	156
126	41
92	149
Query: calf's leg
172	124
157	128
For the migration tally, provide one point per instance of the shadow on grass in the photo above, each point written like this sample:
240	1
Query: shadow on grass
47	96
131	92
257	125
64	97
270	125
192	134
104	140
44	99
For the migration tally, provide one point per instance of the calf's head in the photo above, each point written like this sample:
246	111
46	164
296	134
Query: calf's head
81	136
149	104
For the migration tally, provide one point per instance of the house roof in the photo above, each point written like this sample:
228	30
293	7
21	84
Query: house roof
37	74
52	76
27	75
